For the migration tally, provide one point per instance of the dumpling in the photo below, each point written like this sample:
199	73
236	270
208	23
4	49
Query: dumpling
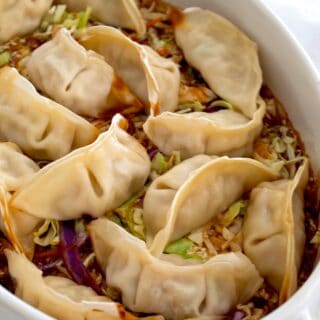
15	168
274	232
79	79
225	132
153	79
163	190
226	58
150	285
192	193
58	297
19	17
42	128
93	180
119	13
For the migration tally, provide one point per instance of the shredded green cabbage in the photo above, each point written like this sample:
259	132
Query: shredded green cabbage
5	58
130	216
161	164
115	219
190	106
84	18
182	247
275	164
58	15
80	226
278	145
129	203
223	104
47	234
234	211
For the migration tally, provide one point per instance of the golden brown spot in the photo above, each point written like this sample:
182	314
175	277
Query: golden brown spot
121	100
175	15
155	109
125	315
262	149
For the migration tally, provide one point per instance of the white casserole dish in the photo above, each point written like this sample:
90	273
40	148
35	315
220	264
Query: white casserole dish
295	82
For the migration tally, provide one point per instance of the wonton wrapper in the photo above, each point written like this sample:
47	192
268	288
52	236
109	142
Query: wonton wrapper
274	232
195	191
119	13
19	17
224	132
151	285
16	170
79	79
226	58
152	78
58	297
42	128
92	180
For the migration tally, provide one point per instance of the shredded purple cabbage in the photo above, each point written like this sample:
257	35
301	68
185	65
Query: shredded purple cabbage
238	315
71	256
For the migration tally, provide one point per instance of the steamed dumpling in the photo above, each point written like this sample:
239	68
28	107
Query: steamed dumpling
15	168
274	232
119	13
19	17
58	297
226	58
152	78
42	128
225	132
192	193
150	285
79	79
93	180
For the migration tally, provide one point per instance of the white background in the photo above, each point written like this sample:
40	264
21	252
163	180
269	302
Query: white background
303	19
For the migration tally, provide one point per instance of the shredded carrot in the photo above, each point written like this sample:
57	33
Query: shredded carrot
7	222
153	22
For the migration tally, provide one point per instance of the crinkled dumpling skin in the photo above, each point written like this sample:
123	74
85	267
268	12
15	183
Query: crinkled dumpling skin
91	180
45	131
79	79
152	78
58	297
274	232
167	75
15	167
119	13
163	190
225	132
226	58
195	191
150	285
19	17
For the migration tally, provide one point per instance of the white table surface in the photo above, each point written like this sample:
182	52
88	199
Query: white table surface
303	19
